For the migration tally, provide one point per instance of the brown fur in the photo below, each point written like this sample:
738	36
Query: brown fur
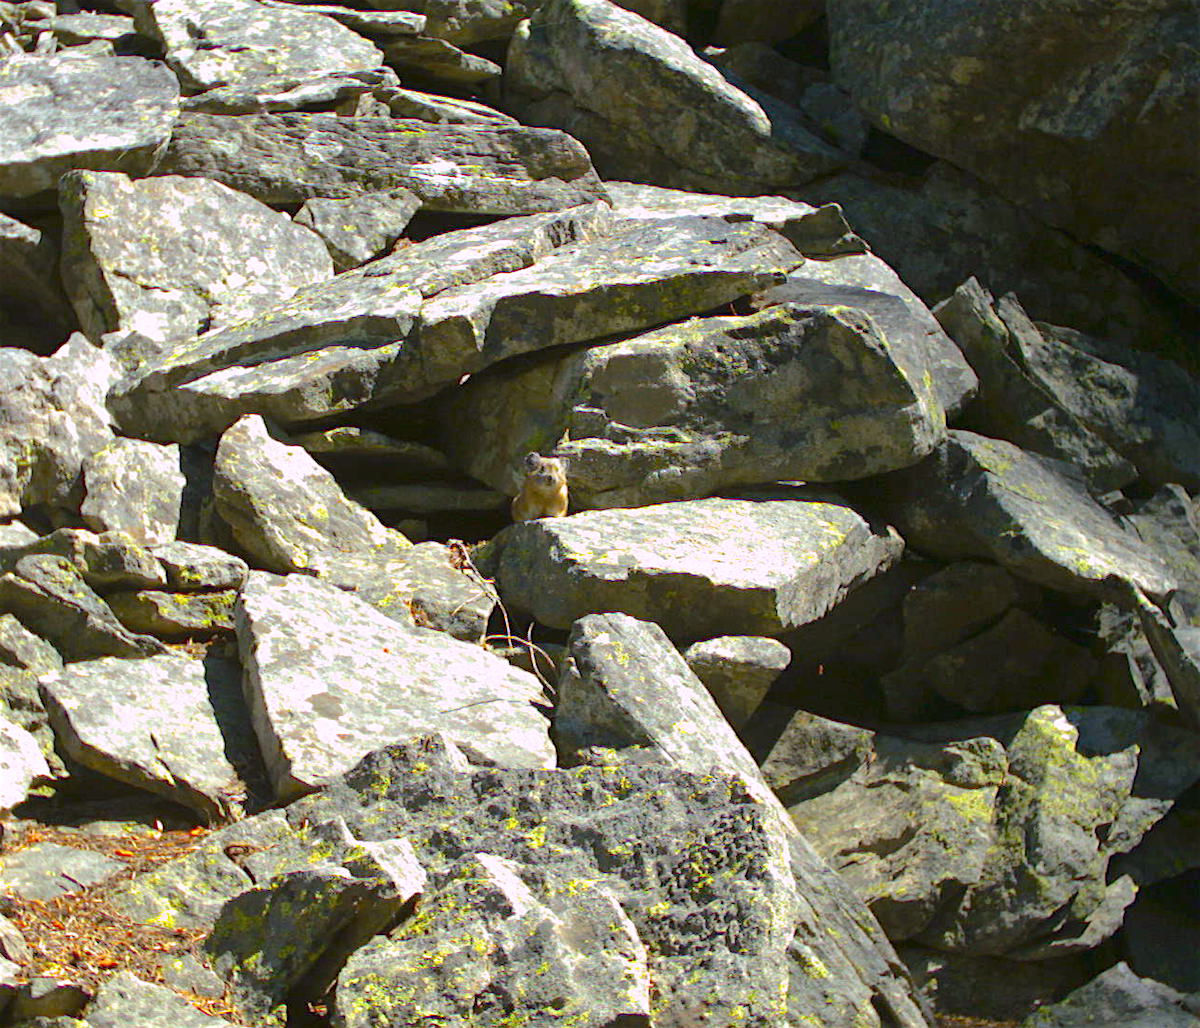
543	489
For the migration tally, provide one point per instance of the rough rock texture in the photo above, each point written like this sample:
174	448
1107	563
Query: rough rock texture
46	870
107	560
329	678
471	21
788	393
125	1000
701	567
1110	119
171	257
619	83
361	228
737	670
67	112
1119	999
175	615
21	763
134	487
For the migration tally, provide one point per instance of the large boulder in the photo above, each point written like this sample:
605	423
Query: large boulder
1088	119
134	487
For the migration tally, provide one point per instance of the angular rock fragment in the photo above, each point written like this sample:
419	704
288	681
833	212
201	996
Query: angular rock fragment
480	169
737	670
217	42
108	560
699	567
790	393
441	110
581	63
285	510
361	228
67	112
124	1000
171	257
329	678
175	615
20	648
465	22
439	62
191	567
1119	997
337	91
21	764
167	724
46	870
134	487
374	24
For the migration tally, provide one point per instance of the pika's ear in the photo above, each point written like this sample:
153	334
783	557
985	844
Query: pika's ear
531	460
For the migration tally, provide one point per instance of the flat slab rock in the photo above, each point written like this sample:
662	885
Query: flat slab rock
329	678
47	870
125	1000
64	112
697	567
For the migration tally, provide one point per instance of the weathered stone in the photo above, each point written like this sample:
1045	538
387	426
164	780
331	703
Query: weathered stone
134	487
125	1000
789	393
21	764
361	228
84	26
175	615
285	510
191	567
618	83
171	257
216	42
737	670
700	567
66	112
1111	121
428	499
51	998
329	678
162	724
1169	521
441	110
52	418
33	305
980	497
374	24
47	870
440	62
107	560
336	91
481	169
20	648
1118	998
51	598
472	21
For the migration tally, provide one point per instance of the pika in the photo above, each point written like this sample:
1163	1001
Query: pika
543	489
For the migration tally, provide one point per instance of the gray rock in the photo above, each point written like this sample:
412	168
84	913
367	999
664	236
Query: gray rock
480	169
789	393
285	510
1129	675
1011	404
107	560
125	1000
737	670
46	997
439	62
15	533
170	257
192	567
20	648
1056	94
381	24
47	870
328	678
52	418
441	110
85	26
956	602
429	499
701	567
217	42
336	91
81	112
21	764
980	497
31	294
361	228
134	487
175	616
1118	998
922	349
618	83
466	22
1169	521
159	724
51	598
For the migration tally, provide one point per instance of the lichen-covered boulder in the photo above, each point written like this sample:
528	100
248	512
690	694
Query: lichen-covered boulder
134	487
360	228
737	670
1119	998
175	616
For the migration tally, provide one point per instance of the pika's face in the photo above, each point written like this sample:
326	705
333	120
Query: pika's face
545	471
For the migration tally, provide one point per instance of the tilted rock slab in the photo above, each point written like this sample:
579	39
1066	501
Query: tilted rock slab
737	671
790	393
212	43
619	82
285	510
329	678
171	257
980	497
699	568
480	169
134	487
359	228
152	724
21	764
64	112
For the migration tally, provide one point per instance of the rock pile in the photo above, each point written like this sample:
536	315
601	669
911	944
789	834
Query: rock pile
861	684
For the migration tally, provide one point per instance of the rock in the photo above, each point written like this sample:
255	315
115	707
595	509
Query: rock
286	511
701	567
980	497
359	229
1109	120
163	724
175	615
933	364
381	24
737	670
191	567
43	996
1118	998
32	300
47	870
465	22
429	499
790	393
438	62
217	42
579	63
336	91
1011	404
329	678
125	999
440	110
83	27
134	487
480	169
20	648
65	112
21	764
108	560
1169	521
171	257
52	599
740	21
52	418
